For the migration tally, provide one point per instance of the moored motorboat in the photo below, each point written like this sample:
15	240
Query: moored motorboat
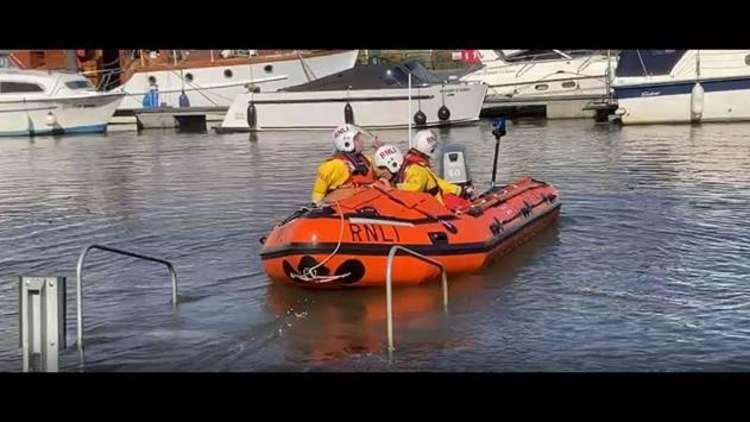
45	102
564	83
371	96
682	86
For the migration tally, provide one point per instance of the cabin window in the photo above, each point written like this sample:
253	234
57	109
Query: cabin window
189	77
228	73
541	87
569	84
17	87
747	60
79	84
268	68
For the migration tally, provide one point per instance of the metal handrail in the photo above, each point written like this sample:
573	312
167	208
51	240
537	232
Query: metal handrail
79	273
389	290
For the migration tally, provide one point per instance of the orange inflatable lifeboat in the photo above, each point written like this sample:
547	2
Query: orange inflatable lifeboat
345	243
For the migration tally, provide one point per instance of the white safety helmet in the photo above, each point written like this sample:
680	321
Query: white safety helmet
390	157
426	142
343	137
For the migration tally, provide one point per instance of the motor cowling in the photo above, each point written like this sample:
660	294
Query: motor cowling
454	167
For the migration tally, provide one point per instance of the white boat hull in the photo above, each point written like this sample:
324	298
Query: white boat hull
211	88
577	89
719	106
724	91
376	108
578	77
41	116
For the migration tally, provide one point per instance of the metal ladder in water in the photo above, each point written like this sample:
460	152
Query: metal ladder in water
39	338
389	288
79	284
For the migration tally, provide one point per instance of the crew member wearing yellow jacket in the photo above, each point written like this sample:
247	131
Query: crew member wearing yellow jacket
416	175
347	168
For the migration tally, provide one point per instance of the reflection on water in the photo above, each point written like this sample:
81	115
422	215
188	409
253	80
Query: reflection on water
646	268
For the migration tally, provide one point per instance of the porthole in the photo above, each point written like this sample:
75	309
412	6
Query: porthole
227	73
268	68
189	77
747	60
541	87
151	80
569	84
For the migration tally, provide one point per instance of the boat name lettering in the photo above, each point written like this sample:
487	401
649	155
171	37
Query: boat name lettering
373	233
650	93
454	90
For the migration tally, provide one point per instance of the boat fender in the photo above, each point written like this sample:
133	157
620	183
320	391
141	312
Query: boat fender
348	114
696	102
184	101
50	119
420	119
252	115
444	113
153	93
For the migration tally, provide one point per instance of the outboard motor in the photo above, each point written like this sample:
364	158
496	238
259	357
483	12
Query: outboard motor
453	165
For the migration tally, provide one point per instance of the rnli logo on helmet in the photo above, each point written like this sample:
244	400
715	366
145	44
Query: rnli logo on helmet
385	153
340	131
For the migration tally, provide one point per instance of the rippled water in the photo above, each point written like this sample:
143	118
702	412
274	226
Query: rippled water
648	267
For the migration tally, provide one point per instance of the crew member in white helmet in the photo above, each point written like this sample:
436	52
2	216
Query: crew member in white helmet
387	162
416	175
348	167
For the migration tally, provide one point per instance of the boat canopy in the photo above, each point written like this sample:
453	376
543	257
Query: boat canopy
520	56
647	62
372	76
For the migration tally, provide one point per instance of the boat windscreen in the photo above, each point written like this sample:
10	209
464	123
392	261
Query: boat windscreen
420	72
647	62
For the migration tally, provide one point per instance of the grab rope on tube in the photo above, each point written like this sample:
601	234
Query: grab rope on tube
310	274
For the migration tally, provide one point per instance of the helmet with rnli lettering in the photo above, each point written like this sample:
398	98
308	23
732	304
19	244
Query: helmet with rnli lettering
389	157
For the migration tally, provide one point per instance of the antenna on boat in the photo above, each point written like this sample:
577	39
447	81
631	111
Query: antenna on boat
608	79
697	64
498	130
409	118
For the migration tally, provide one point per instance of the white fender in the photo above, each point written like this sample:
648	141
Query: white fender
50	119
696	101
